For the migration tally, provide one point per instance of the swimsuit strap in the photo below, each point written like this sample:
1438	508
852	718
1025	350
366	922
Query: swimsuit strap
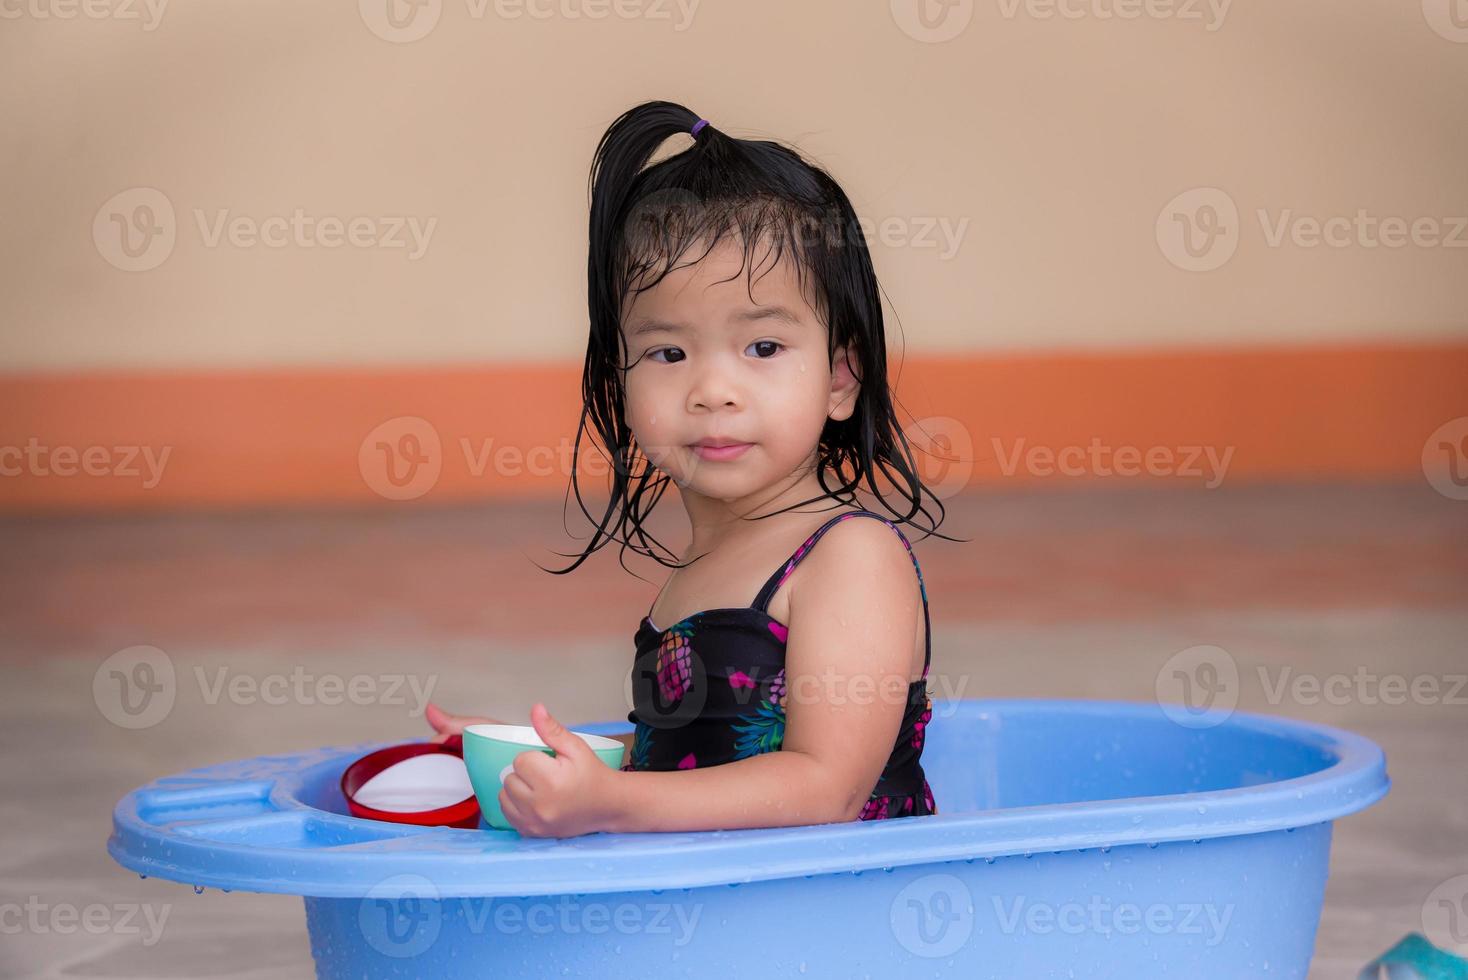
762	600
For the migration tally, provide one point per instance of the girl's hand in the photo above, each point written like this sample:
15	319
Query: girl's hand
561	796
448	725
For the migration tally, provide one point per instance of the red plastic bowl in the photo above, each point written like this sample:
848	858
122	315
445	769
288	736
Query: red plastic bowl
465	813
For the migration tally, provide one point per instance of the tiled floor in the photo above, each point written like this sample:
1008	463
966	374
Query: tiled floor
1063	594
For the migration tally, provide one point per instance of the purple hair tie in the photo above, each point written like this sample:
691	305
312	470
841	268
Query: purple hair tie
697	126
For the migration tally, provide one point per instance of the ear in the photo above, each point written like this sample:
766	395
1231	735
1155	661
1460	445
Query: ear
845	386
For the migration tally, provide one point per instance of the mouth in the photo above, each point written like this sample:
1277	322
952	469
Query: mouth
719	450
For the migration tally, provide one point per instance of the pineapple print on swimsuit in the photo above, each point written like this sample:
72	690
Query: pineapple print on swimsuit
711	689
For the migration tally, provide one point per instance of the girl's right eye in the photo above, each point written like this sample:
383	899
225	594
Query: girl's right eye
664	350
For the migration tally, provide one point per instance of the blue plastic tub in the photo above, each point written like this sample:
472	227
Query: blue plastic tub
1073	839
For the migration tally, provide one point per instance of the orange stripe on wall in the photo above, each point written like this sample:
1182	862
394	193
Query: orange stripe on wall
238	439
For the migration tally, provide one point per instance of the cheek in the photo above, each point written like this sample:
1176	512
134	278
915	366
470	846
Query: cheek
798	405
650	415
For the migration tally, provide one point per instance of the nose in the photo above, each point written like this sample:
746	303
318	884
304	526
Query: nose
713	388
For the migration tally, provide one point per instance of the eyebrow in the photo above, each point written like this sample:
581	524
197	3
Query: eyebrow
743	316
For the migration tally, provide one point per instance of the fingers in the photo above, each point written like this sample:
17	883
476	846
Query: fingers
440	720
447	724
516	788
511	811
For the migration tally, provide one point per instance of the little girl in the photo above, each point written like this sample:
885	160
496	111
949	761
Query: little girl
737	350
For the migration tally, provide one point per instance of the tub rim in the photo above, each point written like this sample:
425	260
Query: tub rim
453	862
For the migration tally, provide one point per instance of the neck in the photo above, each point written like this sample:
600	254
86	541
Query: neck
715	521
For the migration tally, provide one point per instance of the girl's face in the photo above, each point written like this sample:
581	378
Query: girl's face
709	364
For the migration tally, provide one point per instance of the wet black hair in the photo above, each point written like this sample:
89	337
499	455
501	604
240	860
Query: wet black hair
643	221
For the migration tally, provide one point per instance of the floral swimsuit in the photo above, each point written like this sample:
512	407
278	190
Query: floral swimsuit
710	689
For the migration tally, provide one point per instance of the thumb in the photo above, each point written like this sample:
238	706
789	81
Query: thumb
554	734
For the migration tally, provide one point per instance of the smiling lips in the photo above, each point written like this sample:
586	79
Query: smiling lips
719	450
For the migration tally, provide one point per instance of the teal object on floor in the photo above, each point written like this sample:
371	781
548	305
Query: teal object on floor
1414	958
1072	839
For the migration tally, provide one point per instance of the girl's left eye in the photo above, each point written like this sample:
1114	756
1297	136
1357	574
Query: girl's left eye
768	344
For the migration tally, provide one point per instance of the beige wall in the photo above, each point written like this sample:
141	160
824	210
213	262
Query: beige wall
1053	145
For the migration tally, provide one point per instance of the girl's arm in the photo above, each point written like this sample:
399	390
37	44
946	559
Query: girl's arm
854	613
775	789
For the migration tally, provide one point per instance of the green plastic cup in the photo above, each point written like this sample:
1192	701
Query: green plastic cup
489	755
